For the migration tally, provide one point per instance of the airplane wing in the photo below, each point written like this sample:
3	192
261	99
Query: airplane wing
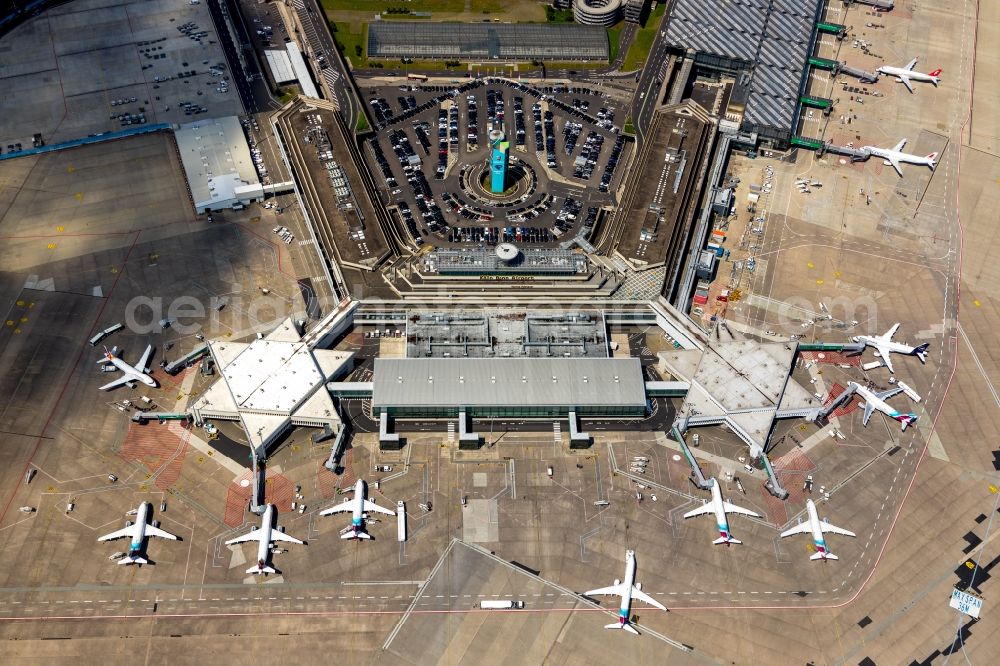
827	527
869	409
885	395
894	163
905	80
249	536
642	596
702	510
143	363
124	379
911	64
801	528
885	354
891	332
615	590
340	508
116	535
732	508
157	532
372	506
899	146
277	535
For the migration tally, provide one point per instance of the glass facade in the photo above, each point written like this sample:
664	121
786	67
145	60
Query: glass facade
514	411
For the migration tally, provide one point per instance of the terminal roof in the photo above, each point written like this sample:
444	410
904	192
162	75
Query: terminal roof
559	382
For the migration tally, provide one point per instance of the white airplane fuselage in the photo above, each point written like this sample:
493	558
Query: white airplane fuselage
880	344
895	156
138	531
720	513
130	370
626	604
817	531
358	513
264	544
872	400
913	75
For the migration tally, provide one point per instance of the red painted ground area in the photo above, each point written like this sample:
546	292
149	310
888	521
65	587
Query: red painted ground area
774	508
278	490
832	357
349	478
793	461
326	482
161	449
175	380
843	410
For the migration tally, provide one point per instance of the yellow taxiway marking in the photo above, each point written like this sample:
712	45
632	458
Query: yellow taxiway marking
51	246
78	196
977	303
10	322
20	303
60	228
820	281
994	489
811	265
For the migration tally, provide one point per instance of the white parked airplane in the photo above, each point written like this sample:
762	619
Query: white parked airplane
817	528
357	506
884	345
893	156
264	535
130	373
139	531
906	74
873	401
720	508
626	589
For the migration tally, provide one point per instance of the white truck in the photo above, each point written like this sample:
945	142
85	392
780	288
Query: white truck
400	521
499	604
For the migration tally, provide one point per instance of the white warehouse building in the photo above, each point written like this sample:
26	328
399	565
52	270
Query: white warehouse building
217	163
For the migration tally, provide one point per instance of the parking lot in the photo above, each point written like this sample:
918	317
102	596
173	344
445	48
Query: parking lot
433	145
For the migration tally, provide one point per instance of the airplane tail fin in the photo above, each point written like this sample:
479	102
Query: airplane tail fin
936	72
823	556
906	420
921	352
932	160
261	570
627	627
726	541
133	559
355	535
106	357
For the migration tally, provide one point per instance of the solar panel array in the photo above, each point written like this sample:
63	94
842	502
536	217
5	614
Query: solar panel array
489	41
772	35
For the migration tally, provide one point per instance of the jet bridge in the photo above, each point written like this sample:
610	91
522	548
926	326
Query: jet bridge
836	68
846	348
822	147
772	485
185	360
697	476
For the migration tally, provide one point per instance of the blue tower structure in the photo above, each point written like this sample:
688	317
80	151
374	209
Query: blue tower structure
498	164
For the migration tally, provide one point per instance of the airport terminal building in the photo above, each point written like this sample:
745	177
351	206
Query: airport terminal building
765	44
508	387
